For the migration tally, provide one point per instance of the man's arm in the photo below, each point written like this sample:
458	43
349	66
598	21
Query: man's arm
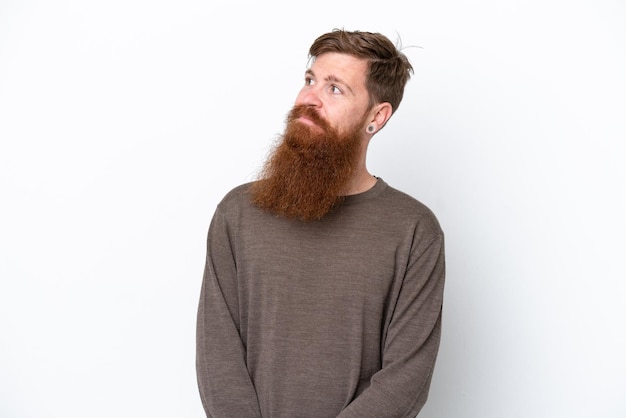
401	387
223	379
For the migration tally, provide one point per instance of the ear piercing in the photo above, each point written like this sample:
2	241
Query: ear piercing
370	128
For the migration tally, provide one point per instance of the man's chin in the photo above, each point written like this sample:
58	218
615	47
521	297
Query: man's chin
305	135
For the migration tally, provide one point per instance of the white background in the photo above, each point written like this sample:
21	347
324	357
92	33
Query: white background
124	122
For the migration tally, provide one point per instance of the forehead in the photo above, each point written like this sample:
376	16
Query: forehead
342	67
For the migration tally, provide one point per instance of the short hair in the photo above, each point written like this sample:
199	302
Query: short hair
388	68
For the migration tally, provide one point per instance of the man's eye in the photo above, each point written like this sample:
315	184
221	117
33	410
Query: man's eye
308	81
335	90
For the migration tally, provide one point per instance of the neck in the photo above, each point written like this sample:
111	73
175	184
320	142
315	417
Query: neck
362	182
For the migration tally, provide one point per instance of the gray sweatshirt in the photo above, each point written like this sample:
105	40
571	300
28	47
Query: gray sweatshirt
333	318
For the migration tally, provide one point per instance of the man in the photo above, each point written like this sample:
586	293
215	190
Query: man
323	285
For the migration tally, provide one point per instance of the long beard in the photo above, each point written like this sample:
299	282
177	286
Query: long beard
307	174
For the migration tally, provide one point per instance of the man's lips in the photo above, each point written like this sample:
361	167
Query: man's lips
314	126
306	121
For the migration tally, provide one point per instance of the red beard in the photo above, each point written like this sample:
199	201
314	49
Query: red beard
307	174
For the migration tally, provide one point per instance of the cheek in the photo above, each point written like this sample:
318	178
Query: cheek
343	119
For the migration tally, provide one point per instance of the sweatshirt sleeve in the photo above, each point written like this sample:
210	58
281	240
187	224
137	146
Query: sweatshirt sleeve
225	386
400	388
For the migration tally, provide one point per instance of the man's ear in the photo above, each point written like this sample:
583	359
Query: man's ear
379	115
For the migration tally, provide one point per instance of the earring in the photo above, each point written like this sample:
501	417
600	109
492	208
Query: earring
370	128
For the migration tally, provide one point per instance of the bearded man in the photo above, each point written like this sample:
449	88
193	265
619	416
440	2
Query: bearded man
323	287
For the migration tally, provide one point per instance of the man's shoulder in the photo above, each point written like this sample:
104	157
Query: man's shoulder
404	201
235	206
236	196
404	205
237	191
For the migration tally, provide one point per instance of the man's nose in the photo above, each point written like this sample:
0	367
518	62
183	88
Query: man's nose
309	97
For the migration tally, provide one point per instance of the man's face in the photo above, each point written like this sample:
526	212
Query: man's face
309	172
335	88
